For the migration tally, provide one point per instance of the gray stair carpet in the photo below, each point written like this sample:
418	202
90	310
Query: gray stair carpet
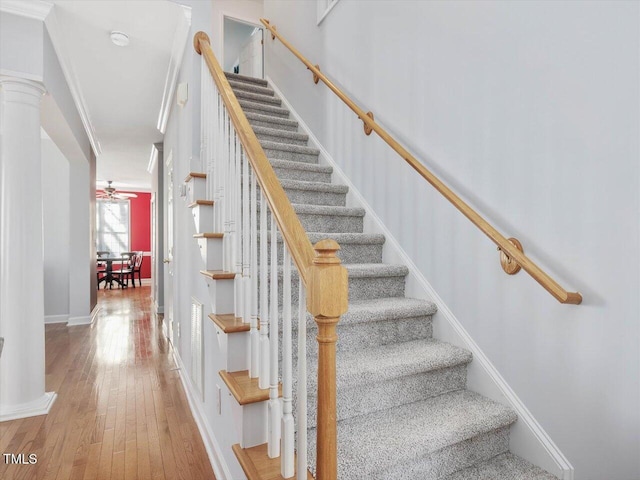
403	408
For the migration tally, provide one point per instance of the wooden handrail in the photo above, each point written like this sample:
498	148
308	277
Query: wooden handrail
292	231
539	275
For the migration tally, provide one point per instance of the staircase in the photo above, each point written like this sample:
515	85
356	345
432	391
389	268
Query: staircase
403	408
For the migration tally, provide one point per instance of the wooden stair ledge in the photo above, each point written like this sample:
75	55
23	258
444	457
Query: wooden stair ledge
229	323
194	175
208	235
200	203
244	389
218	274
257	465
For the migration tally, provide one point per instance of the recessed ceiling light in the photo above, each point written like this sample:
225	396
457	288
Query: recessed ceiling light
119	38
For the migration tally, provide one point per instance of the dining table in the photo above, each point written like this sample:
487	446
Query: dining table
109	276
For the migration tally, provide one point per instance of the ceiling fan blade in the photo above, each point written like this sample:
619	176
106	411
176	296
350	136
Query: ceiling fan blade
128	195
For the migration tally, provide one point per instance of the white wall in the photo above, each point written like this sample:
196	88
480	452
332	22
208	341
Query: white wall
55	209
530	111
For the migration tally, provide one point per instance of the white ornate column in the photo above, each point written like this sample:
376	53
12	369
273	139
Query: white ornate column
22	364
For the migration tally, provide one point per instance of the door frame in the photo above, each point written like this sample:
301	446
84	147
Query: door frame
251	23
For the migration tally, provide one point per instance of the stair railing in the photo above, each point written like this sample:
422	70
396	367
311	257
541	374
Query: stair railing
253	211
512	257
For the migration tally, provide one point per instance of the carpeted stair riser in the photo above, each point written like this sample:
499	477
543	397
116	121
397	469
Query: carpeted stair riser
366	286
306	172
315	193
350	252
327	219
374	397
294	153
251	88
329	223
280	136
236	77
258	98
262	109
375	334
267	121
375	287
503	467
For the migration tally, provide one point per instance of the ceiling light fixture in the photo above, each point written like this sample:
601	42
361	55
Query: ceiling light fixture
119	38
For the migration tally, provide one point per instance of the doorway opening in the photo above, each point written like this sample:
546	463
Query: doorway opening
243	48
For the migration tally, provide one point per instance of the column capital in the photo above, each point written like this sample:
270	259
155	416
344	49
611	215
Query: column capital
21	86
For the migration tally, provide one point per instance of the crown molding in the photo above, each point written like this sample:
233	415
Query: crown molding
36	9
180	38
57	39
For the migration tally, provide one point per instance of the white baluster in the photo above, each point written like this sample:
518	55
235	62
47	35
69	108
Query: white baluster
254	336
246	243
237	226
226	244
219	145
287	463
264	297
301	439
273	447
203	114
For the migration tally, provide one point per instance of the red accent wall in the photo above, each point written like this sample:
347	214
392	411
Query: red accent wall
141	229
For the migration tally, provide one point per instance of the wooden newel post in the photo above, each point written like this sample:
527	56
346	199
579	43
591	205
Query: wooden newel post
327	300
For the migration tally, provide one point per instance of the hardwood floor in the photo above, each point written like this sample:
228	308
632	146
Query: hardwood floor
121	411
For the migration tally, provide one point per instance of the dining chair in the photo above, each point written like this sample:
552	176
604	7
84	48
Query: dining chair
137	268
101	267
126	268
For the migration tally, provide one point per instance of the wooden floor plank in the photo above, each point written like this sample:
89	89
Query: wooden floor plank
121	411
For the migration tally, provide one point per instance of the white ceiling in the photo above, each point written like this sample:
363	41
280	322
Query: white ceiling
122	87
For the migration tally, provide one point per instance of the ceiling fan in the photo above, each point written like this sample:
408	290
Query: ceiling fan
109	193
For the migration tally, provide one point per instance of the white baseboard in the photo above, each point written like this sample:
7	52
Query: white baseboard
76	321
216	458
32	409
531	442
158	309
56	319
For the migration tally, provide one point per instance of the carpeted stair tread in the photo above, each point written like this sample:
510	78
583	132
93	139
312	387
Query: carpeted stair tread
373	443
313	186
503	467
257	98
395	360
274	122
287	147
328	210
283	136
250	87
243	78
264	109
